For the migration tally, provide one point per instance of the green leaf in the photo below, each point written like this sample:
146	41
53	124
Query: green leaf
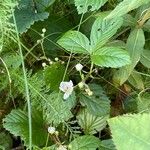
84	6
84	142
136	80
17	124
107	145
75	42
143	102
56	109
110	57
145	58
131	131
135	45
103	30
98	104
125	6
53	75
27	12
89	123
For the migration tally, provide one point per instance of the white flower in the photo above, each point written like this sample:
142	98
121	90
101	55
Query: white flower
61	147
51	130
78	67
67	88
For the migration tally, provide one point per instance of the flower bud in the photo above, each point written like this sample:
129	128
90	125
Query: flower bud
89	92
81	85
43	30
51	130
44	64
78	67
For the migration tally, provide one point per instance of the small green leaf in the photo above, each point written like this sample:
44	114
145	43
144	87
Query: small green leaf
75	42
130	131
145	58
84	142
103	30
84	6
136	80
110	57
91	124
107	145
143	102
125	6
98	104
135	45
17	123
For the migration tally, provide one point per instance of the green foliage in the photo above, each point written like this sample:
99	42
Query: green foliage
125	6
88	5
105	74
56	109
91	124
134	127
98	104
53	75
110	57
5	141
102	31
75	41
145	60
135	45
136	80
143	102
17	123
28	12
84	142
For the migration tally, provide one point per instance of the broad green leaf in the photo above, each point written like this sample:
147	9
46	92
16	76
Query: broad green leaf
84	6
145	58
27	12
111	57
98	104
143	103
131	131
125	6
135	45
75	42
107	145
103	30
136	80
84	142
53	75
56	109
17	124
89	123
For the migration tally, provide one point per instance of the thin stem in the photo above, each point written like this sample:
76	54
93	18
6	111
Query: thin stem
25	82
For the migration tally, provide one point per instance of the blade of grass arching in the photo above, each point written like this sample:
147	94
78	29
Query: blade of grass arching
25	83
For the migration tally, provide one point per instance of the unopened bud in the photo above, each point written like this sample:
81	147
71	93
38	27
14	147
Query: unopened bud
79	67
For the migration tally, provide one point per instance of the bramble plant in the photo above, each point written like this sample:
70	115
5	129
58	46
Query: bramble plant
74	74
